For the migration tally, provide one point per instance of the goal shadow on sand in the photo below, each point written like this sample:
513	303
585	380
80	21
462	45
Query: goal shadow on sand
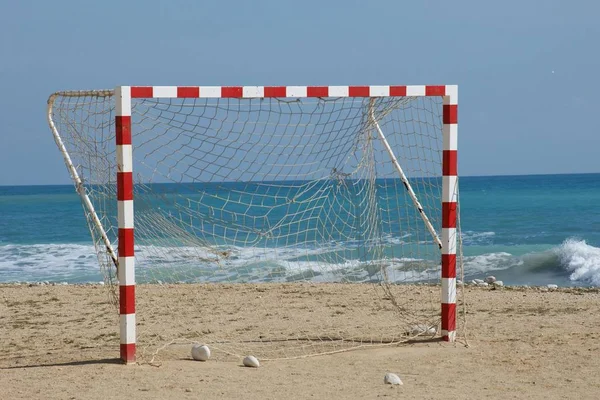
67	364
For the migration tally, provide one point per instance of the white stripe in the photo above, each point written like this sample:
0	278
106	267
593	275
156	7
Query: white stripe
415	90
126	273
451	335
296	91
448	240
123	101
339	91
125	212
253	91
449	290
451	96
379	91
450	135
127	328
450	189
210	91
124	158
168	92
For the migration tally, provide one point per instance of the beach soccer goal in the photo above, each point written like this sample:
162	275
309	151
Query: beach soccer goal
281	222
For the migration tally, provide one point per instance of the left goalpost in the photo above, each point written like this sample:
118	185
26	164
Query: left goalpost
189	188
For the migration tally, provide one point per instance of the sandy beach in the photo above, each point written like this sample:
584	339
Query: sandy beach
61	342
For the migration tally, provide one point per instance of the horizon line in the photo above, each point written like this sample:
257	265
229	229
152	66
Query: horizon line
460	176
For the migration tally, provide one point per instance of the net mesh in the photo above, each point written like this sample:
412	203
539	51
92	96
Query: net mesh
292	195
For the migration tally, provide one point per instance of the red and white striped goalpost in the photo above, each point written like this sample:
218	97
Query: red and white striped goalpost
449	211
126	269
123	131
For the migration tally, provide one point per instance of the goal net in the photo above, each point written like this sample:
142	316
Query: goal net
281	226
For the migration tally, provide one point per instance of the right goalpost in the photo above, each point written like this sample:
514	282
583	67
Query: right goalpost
286	221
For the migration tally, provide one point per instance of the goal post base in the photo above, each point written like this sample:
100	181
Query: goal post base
128	353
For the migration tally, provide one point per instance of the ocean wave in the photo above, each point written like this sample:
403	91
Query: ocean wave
574	262
490	262
580	260
51	262
333	262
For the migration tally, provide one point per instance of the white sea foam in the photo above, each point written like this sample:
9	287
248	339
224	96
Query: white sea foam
490	262
56	262
581	260
333	262
78	263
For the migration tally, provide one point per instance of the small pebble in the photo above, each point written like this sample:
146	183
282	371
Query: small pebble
251	361
421	329
392	379
200	352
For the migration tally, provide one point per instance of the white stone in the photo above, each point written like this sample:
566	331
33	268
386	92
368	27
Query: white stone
490	279
200	352
459	282
497	283
477	281
421	329
482	284
552	286
392	379
251	361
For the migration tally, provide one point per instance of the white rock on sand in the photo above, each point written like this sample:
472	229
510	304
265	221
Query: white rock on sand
392	379
200	352
421	329
251	361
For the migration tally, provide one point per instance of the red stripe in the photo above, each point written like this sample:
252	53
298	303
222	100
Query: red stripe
449	214
127	299
188	91
397	90
126	239
450	114
275	91
448	265
128	352
358	91
124	186
448	317
449	163
231	91
317	91
123	129
145	92
435	90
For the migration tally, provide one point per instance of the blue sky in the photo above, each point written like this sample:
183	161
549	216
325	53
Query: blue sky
527	70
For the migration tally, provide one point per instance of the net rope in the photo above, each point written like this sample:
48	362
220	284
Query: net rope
297	194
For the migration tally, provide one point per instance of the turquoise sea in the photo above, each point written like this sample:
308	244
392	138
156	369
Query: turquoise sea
533	230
